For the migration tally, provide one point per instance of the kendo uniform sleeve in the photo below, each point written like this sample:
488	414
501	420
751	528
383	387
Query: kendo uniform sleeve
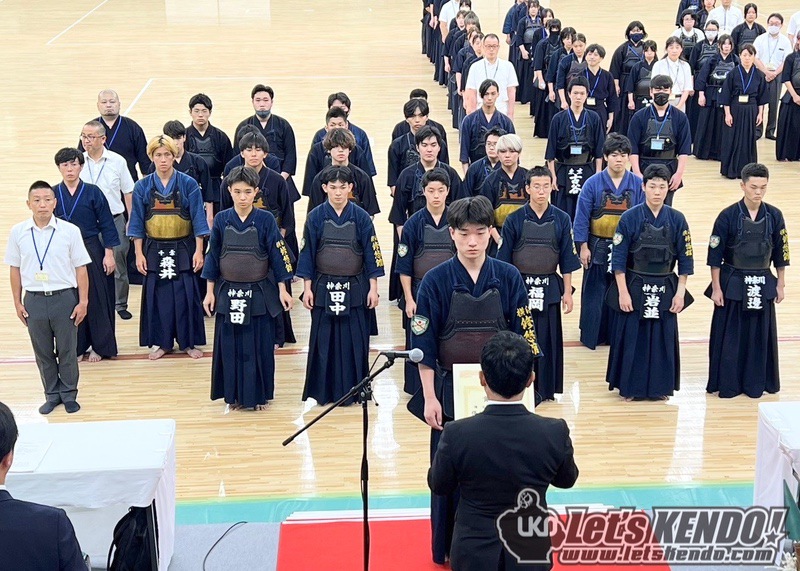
762	95
583	211
308	249
313	168
205	179
290	145
373	259
510	235
105	221
552	137
465	135
369	198
599	133
398	214
407	249
140	144
456	184
286	206
726	95
280	262
393	164
635	130
136	220
425	323
621	241
194	197
568	260
719	239
684	134
211	266
684	245
780	238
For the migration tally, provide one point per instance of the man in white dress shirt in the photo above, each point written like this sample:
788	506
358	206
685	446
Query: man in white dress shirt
794	27
727	16
48	261
771	49
490	67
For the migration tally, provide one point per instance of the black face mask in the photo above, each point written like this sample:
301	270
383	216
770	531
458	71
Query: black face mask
661	99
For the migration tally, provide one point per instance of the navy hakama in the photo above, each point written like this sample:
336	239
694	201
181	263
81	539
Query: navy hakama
787	145
739	141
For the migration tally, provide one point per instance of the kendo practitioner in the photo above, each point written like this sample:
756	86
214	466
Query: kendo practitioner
270	161
574	147
404	126
402	151
472	133
210	143
703	14
272	195
461	63
570	67
124	136
660	135
319	157
425	244
339	143
452	45
748	237
625	58
602	97
603	199
644	360
168	225
708	84
706	49
248	271
541	105
637	86
277	131
340	99
691	5
460	305
191	164
530	30
510	23
340	263
505	186
749	30
688	33
537	240
787	147
84	205
481	169
743	97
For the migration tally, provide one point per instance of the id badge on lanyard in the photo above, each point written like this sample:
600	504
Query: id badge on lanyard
591	101
657	144
575	150
744	99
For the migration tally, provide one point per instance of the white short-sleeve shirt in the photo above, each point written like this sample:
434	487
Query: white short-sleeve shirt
65	253
772	51
501	71
680	72
794	24
727	19
111	174
448	12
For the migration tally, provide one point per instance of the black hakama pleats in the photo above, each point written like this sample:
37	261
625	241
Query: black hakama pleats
708	136
787	146
596	317
97	330
738	146
549	368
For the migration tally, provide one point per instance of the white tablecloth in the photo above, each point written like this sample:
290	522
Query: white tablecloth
96	470
777	451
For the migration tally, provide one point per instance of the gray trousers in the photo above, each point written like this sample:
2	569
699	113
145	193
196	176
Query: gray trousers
774	88
121	283
55	342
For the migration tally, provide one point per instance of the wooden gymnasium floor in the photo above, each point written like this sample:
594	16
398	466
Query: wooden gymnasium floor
56	56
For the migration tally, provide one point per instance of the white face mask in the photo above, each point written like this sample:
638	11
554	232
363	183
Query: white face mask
774	30
711	36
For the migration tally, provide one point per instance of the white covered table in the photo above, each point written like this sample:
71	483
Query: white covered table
96	471
777	451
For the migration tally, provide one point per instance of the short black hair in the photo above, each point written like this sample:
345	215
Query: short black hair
333	173
494	132
174	129
673	40
507	363
757	170
200	99
749	48
436	175
8	431
554	23
418	94
616	143
426	132
656	172
688	12
338	96
335	113
69	154
339	138
537	172
261	87
711	23
632	25
471	210
245	174
579	81
775	15
40	184
484	87
250	140
568	32
748	6
601	51
650	45
413	104
661	82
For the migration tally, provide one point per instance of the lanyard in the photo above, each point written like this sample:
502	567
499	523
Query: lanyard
596	81
116	131
772	51
749	81
664	122
36	248
637	54
486	68
89	166
575	129
68	217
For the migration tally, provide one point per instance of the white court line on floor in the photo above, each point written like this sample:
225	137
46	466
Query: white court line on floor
76	22
139	96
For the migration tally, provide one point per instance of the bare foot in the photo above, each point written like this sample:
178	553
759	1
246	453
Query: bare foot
235	406
260	407
194	353
628	399
664	397
157	354
80	358
94	357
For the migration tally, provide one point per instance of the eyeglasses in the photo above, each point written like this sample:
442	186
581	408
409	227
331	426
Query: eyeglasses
491	46
91	137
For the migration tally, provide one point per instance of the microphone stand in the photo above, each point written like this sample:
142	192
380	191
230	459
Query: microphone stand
364	391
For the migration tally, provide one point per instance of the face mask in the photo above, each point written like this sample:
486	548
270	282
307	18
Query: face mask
636	38
711	35
774	30
263	114
661	99
554	30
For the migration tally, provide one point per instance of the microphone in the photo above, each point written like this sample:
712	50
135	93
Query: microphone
414	355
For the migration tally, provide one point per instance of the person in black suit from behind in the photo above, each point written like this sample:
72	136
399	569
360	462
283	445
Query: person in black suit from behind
32	537
493	456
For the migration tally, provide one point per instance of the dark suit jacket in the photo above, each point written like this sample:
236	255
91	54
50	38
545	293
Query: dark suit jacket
35	537
491	458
